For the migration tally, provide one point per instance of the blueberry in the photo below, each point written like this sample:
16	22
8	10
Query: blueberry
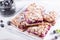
6	3
2	25
1	21
56	37
54	31
11	1
9	22
0	3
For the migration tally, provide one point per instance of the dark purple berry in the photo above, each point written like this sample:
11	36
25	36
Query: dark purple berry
9	22
56	37
1	21
54	31
2	25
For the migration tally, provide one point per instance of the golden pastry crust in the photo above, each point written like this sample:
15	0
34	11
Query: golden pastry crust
40	30
34	13
50	17
18	19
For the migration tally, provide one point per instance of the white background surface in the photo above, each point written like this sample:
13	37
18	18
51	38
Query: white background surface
10	33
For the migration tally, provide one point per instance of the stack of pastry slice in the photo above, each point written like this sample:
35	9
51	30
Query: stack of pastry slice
34	20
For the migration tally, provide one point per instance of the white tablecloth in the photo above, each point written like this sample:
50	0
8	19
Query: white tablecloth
10	33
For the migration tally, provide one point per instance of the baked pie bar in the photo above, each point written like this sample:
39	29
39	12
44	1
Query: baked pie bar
34	20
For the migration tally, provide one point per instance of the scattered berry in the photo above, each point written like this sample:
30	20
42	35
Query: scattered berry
54	31
2	25
9	22
1	21
56	37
